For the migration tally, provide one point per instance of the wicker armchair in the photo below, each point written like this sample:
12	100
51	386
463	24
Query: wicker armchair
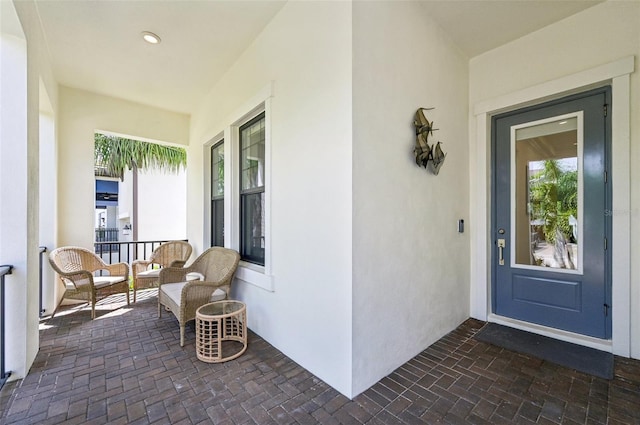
216	266
76	267
169	254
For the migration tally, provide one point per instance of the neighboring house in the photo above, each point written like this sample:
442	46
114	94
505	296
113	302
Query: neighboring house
155	205
161	205
362	265
106	205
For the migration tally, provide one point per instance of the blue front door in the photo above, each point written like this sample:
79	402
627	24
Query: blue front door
551	214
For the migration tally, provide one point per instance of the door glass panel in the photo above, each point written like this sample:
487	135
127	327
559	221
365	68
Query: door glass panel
547	193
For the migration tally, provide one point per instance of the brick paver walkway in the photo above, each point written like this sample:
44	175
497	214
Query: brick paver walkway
127	367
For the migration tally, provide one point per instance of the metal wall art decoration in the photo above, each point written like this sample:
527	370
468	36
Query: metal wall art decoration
428	156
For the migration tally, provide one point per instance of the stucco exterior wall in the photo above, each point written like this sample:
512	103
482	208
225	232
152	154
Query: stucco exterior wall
599	35
13	185
162	205
51	292
81	114
304	57
410	282
24	66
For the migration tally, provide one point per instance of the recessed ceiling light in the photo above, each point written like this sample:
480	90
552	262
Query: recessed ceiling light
150	37
562	122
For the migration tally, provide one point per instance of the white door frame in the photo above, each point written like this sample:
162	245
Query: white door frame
617	74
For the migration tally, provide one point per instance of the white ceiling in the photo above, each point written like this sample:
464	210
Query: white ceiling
477	26
96	45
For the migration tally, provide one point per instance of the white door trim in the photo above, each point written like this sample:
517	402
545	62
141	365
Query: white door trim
617	74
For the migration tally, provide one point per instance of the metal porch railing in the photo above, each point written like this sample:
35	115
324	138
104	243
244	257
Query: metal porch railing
126	252
4	270
107	234
43	249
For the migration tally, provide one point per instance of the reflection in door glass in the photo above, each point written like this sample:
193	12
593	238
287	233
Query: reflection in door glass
546	195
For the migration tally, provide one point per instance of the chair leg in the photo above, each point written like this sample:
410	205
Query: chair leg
134	296
135	289
58	305
182	335
93	305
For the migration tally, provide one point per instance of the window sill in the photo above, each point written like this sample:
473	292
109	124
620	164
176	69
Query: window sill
254	275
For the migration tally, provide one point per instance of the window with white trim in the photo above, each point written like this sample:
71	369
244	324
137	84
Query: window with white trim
252	190
217	194
238	200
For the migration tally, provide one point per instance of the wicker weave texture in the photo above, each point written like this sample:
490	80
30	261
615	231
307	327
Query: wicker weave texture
76	266
217	265
212	330
169	254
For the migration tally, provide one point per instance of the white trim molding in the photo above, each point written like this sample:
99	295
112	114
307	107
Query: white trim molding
256	275
616	74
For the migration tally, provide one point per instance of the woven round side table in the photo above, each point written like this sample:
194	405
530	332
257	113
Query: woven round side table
217	323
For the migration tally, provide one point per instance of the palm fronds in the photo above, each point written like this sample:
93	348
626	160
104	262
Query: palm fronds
116	154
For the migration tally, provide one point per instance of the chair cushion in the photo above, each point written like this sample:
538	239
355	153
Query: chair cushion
103	281
218	295
174	291
156	273
149	273
195	276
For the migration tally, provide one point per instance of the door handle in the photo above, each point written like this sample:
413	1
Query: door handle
501	244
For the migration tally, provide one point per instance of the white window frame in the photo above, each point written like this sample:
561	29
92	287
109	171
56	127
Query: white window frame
256	119
579	131
254	274
209	210
208	214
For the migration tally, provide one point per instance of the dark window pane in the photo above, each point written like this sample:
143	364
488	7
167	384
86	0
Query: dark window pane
252	164
252	154
252	227
217	222
217	194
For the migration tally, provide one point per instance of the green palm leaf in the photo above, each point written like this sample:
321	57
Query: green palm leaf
117	154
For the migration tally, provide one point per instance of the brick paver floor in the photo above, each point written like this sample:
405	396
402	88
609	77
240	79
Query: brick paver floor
127	367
